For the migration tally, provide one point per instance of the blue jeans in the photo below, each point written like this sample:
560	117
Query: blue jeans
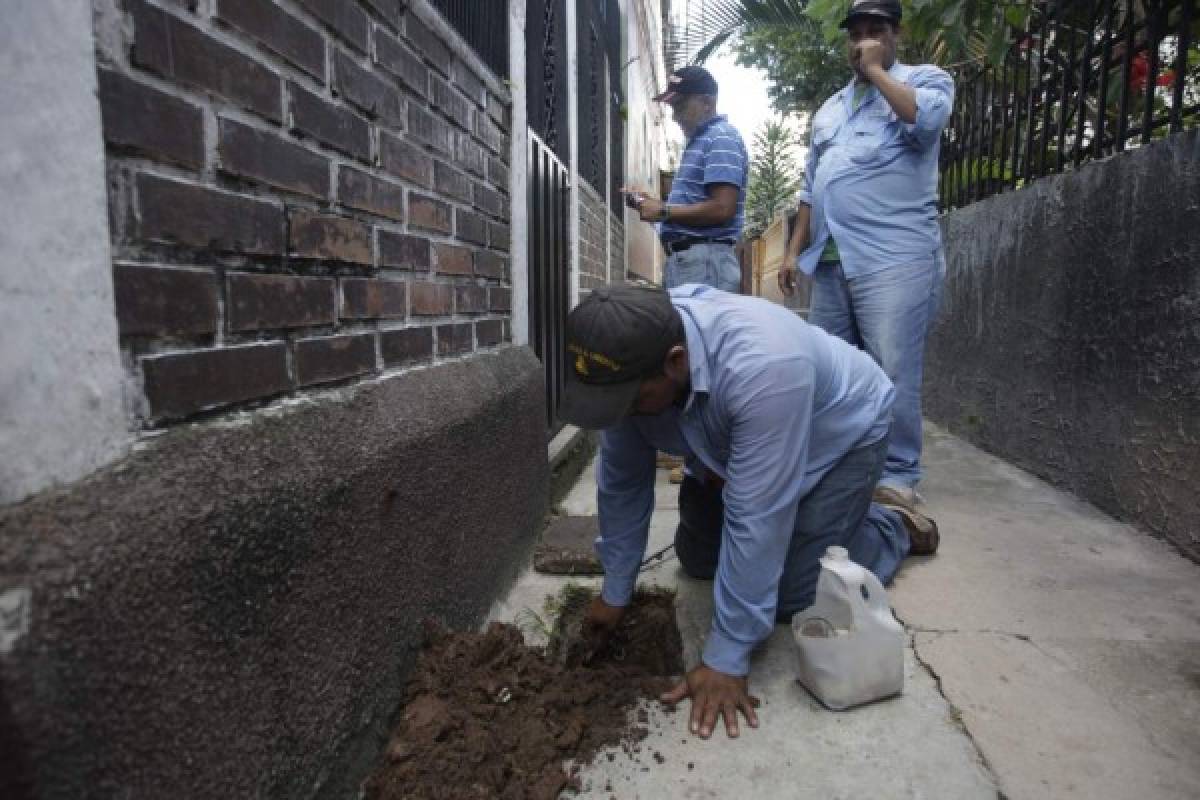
887	313
714	265
838	511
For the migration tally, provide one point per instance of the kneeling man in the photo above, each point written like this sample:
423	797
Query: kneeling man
786	431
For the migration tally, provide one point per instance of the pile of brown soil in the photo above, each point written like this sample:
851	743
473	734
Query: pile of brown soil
487	716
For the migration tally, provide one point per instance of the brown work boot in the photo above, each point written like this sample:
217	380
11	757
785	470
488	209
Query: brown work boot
922	530
896	496
667	461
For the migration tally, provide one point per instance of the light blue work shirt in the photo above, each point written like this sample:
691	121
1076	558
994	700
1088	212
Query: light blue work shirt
871	178
714	154
775	403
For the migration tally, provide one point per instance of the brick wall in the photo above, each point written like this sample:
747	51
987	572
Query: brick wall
302	192
593	236
616	249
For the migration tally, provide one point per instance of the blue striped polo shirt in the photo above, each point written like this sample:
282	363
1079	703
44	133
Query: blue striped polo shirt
714	154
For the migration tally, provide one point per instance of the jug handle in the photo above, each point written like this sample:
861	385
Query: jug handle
875	593
853	590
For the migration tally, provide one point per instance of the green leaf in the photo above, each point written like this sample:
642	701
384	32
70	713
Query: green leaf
1016	16
997	47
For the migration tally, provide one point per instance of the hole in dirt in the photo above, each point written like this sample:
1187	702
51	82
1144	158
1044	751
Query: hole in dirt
488	716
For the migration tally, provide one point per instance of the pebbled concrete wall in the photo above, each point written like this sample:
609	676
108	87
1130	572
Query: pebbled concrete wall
232	610
1069	338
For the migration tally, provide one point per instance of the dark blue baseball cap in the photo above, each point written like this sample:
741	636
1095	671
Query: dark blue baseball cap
688	80
888	9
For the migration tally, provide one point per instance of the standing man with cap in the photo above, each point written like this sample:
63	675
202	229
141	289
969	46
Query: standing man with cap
702	218
867	227
792	420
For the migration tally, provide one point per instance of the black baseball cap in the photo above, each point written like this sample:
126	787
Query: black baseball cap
688	80
616	337
889	9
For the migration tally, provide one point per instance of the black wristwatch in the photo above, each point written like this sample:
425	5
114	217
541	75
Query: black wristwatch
665	214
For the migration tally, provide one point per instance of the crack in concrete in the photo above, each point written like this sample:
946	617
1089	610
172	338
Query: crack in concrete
955	712
1024	637
1152	736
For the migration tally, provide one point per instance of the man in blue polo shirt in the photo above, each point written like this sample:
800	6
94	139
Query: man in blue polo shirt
794	423
867	226
702	218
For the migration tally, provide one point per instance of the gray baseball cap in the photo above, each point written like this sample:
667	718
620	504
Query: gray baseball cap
616	337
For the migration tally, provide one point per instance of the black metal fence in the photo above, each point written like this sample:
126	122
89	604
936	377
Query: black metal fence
549	269
546	73
601	98
484	24
1083	79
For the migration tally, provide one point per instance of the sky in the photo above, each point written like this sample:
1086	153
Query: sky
742	96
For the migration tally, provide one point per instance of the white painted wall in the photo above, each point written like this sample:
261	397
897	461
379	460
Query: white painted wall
575	201
645	133
62	386
518	174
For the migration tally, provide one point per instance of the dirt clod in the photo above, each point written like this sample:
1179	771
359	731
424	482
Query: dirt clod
487	716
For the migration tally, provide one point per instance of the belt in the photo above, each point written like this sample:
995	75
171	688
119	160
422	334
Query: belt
679	245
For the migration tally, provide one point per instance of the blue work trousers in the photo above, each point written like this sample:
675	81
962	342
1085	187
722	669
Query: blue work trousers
713	265
887	313
838	511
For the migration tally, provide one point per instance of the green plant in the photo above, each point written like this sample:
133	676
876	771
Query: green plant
800	45
773	176
945	32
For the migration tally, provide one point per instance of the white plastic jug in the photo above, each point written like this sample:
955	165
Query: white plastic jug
851	647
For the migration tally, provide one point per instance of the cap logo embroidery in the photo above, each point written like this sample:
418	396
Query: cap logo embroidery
583	356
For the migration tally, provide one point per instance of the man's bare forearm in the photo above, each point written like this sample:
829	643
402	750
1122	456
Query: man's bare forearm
705	214
717	209
799	238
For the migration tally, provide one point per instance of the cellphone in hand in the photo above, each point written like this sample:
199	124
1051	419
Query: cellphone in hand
634	199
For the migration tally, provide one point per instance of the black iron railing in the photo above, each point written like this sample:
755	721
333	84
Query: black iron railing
1083	79
484	24
549	268
601	97
546	73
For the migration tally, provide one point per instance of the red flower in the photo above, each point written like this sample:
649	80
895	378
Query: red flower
1139	74
1138	71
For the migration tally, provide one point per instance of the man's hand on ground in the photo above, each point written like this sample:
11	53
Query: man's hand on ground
599	622
600	615
787	279
714	694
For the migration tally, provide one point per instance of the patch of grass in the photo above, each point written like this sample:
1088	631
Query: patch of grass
551	624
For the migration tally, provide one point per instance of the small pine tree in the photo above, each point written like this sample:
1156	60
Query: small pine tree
774	177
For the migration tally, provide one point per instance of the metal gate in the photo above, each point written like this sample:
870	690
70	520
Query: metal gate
484	24
549	269
546	73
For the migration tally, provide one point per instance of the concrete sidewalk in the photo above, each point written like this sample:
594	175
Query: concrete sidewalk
1054	653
